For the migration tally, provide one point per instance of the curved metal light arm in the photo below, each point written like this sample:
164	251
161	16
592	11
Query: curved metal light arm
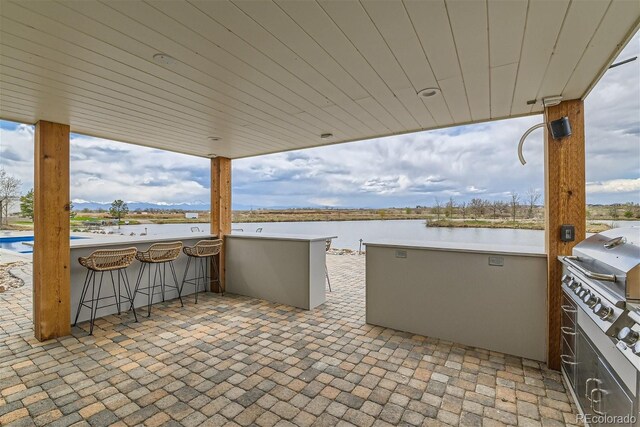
526	134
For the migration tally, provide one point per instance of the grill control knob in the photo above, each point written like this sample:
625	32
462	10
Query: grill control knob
636	349
591	300
577	289
566	278
583	292
573	284
602	311
628	336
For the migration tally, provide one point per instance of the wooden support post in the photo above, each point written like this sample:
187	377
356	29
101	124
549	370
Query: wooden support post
565	203
51	253
220	210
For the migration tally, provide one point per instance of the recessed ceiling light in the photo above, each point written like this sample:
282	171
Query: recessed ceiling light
164	59
214	138
326	135
429	92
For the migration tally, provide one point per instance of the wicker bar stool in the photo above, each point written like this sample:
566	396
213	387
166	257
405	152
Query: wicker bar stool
201	253
106	261
157	257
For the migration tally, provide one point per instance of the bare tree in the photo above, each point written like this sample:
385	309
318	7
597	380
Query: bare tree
9	190
437	207
494	209
533	195
451	205
478	207
463	210
515	203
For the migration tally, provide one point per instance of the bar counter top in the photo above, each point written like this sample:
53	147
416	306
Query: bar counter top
499	249
281	236
102	240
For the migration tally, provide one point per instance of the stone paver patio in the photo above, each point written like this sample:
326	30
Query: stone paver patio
234	360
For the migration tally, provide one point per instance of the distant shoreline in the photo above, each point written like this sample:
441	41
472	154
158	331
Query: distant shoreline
599	217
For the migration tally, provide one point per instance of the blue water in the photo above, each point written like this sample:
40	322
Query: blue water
15	244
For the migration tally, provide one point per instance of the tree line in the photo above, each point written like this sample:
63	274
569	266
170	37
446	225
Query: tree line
515	206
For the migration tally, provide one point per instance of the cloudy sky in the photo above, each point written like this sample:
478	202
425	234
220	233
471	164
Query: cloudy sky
463	162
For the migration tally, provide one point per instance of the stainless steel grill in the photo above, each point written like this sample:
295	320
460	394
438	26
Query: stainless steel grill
601	325
611	260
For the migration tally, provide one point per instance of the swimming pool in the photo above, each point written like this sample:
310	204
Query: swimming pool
15	243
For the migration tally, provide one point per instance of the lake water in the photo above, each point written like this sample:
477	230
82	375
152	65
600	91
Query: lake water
350	232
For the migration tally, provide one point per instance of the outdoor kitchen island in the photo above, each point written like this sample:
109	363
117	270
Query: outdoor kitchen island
283	268
487	296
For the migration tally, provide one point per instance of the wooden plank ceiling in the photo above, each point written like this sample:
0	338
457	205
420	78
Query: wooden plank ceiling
267	76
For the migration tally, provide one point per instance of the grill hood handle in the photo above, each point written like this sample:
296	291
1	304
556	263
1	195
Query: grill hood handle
590	274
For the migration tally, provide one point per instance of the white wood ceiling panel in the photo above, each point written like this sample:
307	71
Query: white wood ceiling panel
273	19
507	20
469	23
98	63
126	101
581	23
329	79
393	23
227	44
431	23
73	110
103	65
252	32
544	21
503	81
239	93
355	23
326	33
133	99
419	110
272	75
456	97
620	17
81	117
376	109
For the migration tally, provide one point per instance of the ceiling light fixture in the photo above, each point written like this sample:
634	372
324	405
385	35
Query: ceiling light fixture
214	138
212	155
164	59
429	92
326	135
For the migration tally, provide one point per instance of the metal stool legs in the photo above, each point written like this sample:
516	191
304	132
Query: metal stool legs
202	273
159	280
90	282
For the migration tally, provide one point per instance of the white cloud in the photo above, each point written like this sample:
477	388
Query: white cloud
325	202
616	186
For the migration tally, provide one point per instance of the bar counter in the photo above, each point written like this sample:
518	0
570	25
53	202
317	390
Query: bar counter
84	247
487	296
283	268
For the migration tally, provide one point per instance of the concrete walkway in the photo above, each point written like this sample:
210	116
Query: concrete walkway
234	361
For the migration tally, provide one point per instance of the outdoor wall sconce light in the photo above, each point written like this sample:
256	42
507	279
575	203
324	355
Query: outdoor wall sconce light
559	128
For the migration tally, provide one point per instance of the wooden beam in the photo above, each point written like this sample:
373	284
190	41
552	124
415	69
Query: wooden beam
51	253
220	210
565	203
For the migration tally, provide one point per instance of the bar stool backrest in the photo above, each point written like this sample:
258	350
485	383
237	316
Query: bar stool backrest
160	252
204	248
327	244
109	259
